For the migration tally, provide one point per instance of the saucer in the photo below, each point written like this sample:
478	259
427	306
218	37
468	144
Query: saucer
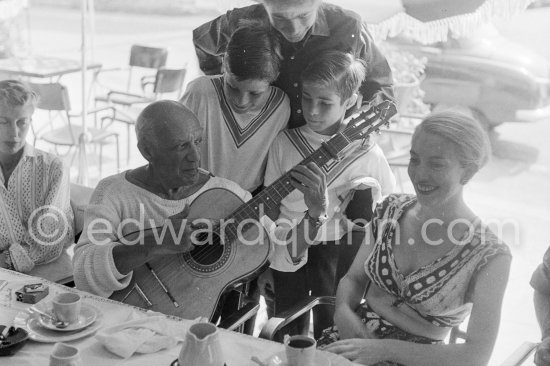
87	316
38	333
279	359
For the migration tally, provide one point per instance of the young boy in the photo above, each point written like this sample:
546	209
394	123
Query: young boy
330	85
36	220
240	111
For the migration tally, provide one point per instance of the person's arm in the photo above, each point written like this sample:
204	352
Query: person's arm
128	257
350	293
542	310
290	238
378	82
540	281
210	41
482	331
104	261
50	226
311	181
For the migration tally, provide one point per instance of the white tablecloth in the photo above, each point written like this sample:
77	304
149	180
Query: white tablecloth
237	348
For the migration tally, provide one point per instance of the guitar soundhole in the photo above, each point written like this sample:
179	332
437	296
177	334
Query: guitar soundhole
208	249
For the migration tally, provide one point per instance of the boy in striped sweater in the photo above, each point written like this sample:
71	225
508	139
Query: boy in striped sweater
330	86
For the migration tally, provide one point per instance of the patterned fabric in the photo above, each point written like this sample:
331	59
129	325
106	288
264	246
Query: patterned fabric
235	146
440	292
36	219
334	28
379	327
358	169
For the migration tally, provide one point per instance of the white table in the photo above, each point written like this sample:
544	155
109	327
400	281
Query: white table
237	348
43	67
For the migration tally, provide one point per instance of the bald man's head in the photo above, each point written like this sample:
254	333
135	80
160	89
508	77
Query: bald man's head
164	116
169	138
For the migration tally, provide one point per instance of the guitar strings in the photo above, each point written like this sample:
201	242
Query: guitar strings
206	250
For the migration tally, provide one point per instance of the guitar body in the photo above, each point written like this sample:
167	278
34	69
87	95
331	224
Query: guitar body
197	279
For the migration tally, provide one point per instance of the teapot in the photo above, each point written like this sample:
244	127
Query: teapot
202	346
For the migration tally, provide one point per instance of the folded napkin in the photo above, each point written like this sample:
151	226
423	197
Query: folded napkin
144	335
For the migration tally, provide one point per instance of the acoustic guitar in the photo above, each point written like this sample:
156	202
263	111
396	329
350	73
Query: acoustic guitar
190	285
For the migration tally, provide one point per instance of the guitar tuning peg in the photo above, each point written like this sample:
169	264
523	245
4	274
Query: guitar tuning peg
378	132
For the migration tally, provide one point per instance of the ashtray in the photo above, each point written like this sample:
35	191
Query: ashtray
14	341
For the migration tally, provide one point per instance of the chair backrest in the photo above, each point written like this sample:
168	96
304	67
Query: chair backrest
80	198
52	96
169	81
148	57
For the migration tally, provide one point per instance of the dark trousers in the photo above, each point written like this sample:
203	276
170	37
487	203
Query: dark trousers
327	263
316	278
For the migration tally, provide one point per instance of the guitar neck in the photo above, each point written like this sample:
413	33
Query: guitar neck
269	199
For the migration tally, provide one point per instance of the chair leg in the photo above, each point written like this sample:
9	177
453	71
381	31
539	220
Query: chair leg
100	160
117	155
128	147
73	155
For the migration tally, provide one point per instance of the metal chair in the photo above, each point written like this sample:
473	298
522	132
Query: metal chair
271	330
165	81
141	57
54	98
521	354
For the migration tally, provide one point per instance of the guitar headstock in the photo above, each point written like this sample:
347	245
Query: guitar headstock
366	122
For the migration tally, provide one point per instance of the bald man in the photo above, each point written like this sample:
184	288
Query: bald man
154	195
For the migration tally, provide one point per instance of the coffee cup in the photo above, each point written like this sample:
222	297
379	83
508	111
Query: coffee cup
66	307
65	355
300	350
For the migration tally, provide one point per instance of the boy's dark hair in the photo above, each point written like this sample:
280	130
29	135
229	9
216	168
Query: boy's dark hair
16	93
253	52
338	70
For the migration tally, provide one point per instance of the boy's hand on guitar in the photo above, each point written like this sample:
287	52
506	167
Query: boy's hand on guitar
311	181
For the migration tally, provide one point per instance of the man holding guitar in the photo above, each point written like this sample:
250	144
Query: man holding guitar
169	138
136	243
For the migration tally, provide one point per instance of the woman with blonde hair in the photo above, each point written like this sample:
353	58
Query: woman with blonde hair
427	263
